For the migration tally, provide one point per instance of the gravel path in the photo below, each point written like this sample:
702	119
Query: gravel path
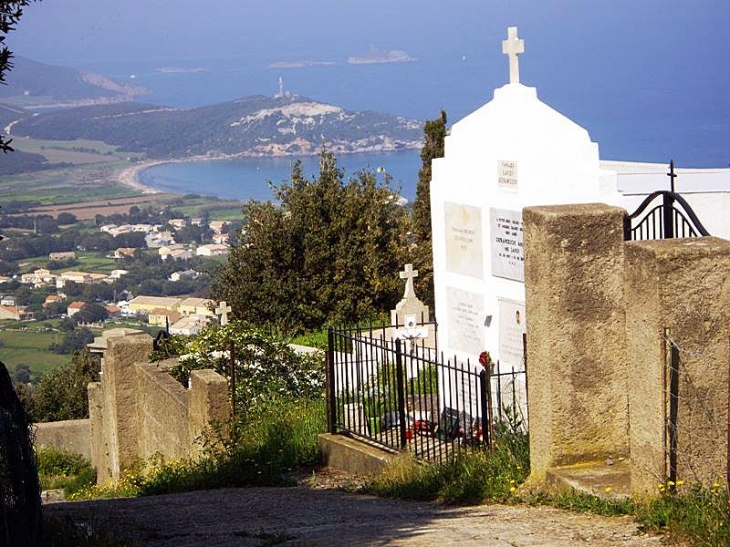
302	516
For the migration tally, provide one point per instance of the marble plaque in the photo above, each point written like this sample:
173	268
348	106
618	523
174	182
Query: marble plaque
464	254
466	322
508	259
507	175
511	329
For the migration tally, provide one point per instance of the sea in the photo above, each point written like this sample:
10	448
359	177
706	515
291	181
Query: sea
653	117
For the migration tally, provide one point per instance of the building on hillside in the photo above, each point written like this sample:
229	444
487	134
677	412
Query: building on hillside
8	300
196	221
189	325
221	239
185	274
4	279
101	343
146	228
124	252
212	249
39	278
113	311
197	306
15	313
74	308
217	225
177	223
107	228
160	239
81	278
63	255
53	299
116	274
175	252
145	304
161	317
119	230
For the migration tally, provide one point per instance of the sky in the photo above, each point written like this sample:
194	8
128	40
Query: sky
605	64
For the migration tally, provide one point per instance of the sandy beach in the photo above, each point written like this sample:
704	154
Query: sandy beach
128	177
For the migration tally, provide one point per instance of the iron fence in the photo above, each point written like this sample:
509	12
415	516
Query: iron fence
399	393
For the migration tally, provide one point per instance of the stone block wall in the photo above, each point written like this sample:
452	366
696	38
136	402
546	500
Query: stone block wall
602	315
138	409
71	435
575	334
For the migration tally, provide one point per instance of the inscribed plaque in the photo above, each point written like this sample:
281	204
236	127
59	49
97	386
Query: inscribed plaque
507	175
465	320
508	258
464	253
511	329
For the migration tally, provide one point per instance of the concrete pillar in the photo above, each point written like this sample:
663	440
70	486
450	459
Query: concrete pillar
209	406
576	358
682	285
119	386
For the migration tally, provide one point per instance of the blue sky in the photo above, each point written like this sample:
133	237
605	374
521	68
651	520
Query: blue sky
603	63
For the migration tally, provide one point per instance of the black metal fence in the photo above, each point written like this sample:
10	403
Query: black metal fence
399	393
663	215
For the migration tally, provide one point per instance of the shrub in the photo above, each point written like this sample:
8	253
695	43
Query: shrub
63	469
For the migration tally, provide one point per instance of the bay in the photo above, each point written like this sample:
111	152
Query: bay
250	178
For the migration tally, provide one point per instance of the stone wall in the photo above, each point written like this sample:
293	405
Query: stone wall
71	435
602	318
138	409
575	334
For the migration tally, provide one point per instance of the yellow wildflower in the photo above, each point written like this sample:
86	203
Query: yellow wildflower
608	489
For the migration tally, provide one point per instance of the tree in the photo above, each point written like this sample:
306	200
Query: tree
433	147
330	253
10	13
62	393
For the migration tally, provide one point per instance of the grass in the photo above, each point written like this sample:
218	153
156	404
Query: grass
30	348
261	451
62	469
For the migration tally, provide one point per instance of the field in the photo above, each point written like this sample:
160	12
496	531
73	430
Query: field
88	262
30	347
78	152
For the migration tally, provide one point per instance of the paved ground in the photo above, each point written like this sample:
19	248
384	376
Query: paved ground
301	516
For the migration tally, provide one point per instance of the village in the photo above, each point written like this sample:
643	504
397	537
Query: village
579	332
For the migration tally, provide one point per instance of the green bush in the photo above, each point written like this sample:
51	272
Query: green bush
63	469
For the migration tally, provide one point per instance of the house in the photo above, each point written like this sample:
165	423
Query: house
82	278
181	254
124	252
145	304
63	255
177	223
107	228
212	249
197	306
9	312
188	326
217	225
75	307
221	239
4	279
113	311
119	230
196	221
185	274
116	274
38	278
7	301
146	228
161	317
157	240
53	299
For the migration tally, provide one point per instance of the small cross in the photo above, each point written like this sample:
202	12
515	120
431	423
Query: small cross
223	311
512	47
672	175
408	274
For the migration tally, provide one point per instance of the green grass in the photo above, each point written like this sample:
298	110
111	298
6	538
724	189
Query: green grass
62	469
30	348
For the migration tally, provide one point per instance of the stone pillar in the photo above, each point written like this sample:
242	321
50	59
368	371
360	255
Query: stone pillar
682	285
209	407
119	413
578	402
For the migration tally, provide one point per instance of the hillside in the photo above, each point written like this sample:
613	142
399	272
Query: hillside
253	126
31	83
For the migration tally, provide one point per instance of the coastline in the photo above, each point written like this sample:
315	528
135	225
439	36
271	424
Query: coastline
129	176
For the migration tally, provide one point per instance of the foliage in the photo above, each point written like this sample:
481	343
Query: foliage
330	253
63	469
74	340
261	451
10	13
696	513
433	147
469	477
62	394
266	367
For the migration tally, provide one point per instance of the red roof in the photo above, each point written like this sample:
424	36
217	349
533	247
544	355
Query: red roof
77	305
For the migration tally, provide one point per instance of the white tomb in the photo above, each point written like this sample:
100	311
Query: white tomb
513	152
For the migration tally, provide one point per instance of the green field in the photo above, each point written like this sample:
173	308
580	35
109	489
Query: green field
31	348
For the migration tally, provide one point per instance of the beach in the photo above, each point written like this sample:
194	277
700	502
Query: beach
128	177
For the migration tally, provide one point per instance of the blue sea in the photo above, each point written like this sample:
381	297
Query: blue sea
650	116
250	178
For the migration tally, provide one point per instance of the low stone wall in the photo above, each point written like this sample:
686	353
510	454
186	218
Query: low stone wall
138	409
70	435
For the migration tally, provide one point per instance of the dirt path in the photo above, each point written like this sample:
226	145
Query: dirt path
301	516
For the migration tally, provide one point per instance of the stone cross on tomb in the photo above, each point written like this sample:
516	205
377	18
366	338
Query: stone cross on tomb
512	47
409	274
223	311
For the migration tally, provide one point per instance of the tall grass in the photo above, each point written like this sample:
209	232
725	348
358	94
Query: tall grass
260	452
